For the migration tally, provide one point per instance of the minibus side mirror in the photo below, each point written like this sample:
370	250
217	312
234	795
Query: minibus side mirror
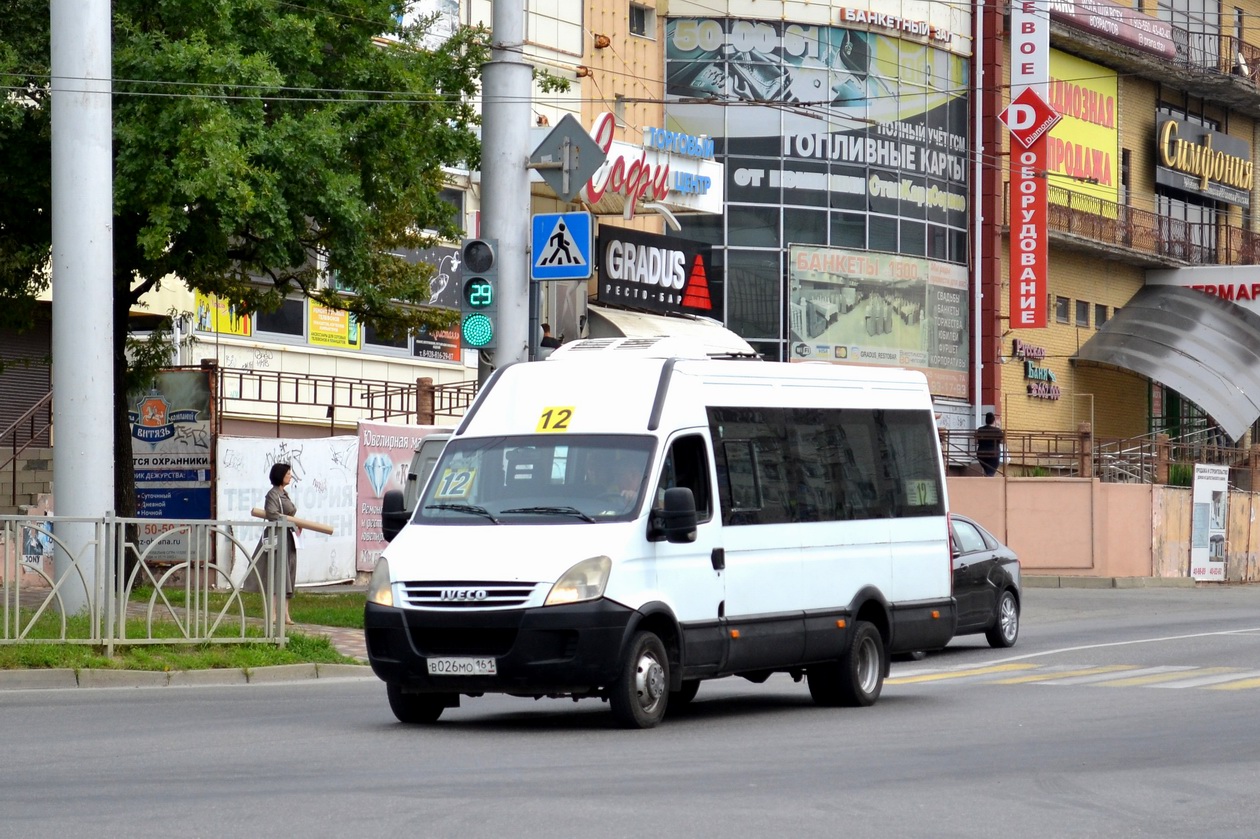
394	515
676	518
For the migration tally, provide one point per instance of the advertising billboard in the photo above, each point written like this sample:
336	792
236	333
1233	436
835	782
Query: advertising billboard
872	122
172	435
860	307
1082	152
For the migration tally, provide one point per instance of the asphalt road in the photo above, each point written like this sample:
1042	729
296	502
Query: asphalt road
1119	713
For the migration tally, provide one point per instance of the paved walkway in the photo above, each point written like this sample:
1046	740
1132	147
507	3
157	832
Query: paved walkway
348	642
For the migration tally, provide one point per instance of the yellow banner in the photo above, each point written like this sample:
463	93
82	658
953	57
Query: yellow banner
1082	154
215	315
333	328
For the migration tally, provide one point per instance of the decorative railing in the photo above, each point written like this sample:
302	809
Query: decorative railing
67	580
1143	231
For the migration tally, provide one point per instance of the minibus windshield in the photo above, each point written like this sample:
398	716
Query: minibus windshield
536	479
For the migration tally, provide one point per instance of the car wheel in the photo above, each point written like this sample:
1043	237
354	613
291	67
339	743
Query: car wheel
1005	629
856	679
415	708
641	694
681	698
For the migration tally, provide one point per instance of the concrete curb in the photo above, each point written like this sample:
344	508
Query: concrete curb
95	678
1057	581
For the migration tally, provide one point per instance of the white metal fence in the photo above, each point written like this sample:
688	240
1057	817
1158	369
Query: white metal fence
114	581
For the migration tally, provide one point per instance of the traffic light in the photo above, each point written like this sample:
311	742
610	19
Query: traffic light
479	295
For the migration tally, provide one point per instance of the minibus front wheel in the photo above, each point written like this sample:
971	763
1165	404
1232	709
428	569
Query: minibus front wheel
856	679
641	692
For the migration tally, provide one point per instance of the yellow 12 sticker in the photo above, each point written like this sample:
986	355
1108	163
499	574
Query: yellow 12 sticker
555	419
455	483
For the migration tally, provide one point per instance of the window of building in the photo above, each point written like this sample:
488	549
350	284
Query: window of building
642	21
379	339
1061	308
1196	29
289	319
1100	315
1082	313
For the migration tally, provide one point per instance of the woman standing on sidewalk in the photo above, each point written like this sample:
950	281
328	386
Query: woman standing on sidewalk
277	504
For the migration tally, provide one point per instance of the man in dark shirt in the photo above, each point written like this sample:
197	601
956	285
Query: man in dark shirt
548	341
989	439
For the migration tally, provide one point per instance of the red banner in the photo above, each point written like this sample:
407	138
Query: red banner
1029	253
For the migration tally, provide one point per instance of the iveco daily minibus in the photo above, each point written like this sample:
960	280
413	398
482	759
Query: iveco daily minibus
629	518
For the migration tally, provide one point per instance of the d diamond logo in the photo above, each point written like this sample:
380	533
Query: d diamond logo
1028	117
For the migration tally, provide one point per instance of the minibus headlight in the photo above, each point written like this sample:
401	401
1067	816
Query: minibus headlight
379	591
584	581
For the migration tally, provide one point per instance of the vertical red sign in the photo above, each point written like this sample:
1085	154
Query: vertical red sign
1029	253
1029	118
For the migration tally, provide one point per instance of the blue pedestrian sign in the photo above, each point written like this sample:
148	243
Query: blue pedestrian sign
560	247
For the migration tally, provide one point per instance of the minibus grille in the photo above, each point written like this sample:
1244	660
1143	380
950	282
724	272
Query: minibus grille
465	594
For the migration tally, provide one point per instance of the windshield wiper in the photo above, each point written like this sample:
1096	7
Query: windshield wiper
551	511
463	508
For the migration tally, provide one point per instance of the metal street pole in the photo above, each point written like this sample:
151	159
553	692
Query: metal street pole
505	205
82	280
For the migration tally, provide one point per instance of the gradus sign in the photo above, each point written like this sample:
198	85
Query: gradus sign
659	273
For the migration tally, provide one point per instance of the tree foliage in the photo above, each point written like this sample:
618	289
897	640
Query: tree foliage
257	145
257	142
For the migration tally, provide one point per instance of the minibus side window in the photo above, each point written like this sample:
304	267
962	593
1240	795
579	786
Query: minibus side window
913	475
743	489
754	477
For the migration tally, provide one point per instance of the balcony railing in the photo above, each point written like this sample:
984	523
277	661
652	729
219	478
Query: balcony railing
1143	231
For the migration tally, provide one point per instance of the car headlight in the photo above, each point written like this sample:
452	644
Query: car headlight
379	591
584	581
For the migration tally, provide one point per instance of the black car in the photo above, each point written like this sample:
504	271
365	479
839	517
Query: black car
986	583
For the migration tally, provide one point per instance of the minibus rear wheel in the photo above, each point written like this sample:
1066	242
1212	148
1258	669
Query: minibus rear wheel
641	693
857	677
415	708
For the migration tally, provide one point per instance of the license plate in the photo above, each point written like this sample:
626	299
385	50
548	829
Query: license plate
462	667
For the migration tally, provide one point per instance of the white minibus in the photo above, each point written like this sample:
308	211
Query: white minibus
630	518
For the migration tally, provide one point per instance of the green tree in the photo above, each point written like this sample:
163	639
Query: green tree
257	145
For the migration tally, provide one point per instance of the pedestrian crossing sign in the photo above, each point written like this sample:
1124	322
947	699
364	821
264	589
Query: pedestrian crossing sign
560	246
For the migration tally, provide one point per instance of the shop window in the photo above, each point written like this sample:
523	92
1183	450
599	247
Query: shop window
379	339
1100	315
1061	305
289	319
913	238
848	230
937	242
1082	313
806	227
883	234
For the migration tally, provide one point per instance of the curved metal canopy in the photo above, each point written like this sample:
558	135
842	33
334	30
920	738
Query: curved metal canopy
1205	348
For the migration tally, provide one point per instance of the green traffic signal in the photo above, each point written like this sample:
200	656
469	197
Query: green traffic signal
477	331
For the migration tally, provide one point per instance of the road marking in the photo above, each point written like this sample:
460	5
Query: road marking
958	674
1244	684
1213	676
1065	677
1127	643
1150	676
